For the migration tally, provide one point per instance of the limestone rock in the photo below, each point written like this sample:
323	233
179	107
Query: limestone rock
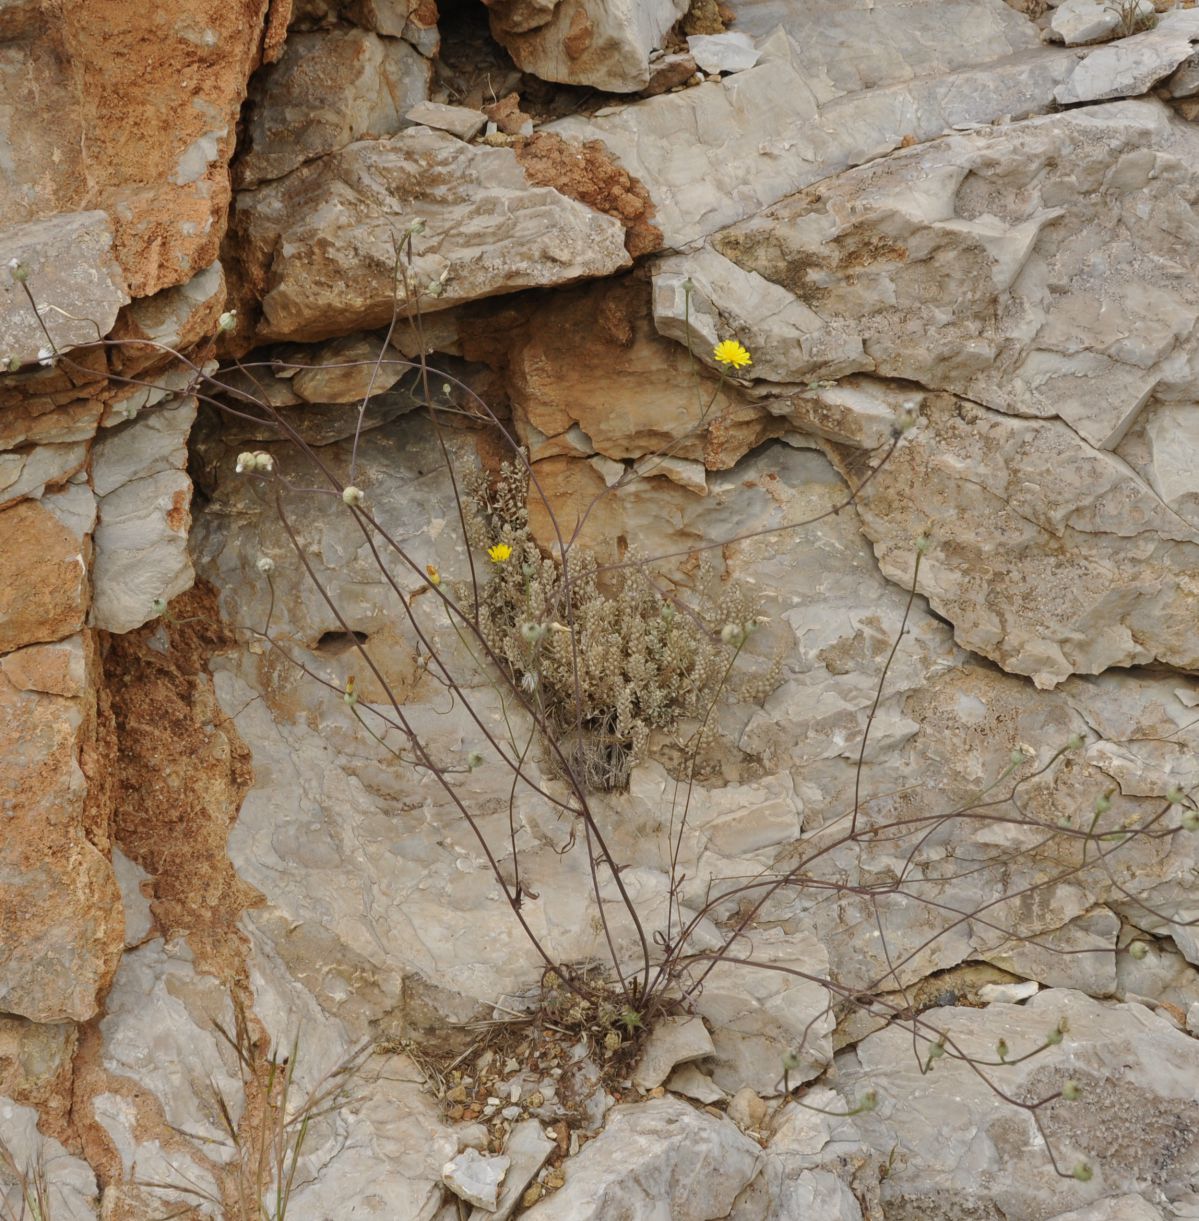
1133	65
1019	490
72	1182
460	121
759	1016
329	89
76	285
966	1148
1083	21
731	52
602	43
858	82
527	1148
672	1041
474	1178
348	370
177	317
867	269
1184	82
28	472
486	231
652	1153
144	516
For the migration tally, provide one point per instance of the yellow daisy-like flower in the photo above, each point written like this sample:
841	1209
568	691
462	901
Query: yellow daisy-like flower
730	352
501	553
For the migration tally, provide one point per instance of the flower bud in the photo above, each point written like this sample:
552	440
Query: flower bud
868	1101
1103	803
1071	1091
18	271
159	607
922	543
1083	1173
1174	795
433	575
733	634
1189	820
531	633
1138	950
227	321
14	363
352	496
474	759
1075	741
265	564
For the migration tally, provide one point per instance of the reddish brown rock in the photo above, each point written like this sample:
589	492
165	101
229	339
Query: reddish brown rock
592	358
61	921
130	109
43	576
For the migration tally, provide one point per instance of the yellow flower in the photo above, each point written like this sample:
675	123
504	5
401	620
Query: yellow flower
433	574
500	553
730	352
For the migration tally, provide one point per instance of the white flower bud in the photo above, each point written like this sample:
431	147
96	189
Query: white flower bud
265	564
227	321
246	462
352	496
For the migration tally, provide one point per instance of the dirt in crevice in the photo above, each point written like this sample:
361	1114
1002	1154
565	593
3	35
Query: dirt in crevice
586	172
181	773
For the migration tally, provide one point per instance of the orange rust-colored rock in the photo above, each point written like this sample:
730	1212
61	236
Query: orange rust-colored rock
61	920
132	109
43	577
181	773
592	357
587	173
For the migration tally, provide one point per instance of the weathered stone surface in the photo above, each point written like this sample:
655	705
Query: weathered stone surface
1133	65
527	1148
486	232
1085	567
132	110
671	1042
461	121
76	284
348	370
587	373
176	317
868	267
28	472
602	43
476	1179
842	85
44	559
144	498
328	90
964	1148
73	1190
60	911
1081	21
732	52
659	1151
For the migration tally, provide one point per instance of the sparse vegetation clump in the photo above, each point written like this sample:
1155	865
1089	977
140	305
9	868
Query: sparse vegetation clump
607	658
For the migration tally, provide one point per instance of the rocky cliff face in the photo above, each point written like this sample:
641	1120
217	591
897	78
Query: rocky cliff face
279	279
